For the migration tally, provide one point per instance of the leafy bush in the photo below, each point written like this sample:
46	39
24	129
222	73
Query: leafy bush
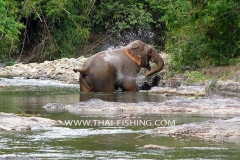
196	33
9	28
121	15
202	33
60	27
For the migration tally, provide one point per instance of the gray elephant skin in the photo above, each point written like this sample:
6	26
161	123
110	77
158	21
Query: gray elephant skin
109	70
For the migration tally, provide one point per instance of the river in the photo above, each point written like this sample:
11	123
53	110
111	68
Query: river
101	140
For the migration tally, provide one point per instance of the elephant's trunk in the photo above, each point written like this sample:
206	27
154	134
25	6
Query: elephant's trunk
156	58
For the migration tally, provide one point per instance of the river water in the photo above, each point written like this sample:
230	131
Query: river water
95	141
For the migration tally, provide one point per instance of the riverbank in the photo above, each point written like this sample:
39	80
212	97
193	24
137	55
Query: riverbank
223	79
61	70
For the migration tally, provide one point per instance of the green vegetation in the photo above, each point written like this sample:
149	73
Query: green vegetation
196	76
195	33
203	33
121	16
53	28
9	28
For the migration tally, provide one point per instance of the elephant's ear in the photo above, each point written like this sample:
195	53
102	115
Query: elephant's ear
134	57
135	51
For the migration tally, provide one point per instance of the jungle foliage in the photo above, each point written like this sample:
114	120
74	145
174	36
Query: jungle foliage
52	28
202	33
195	33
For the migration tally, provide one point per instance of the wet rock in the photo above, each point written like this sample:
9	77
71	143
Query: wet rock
190	105
10	122
54	105
221	87
182	90
4	85
214	130
154	146
129	116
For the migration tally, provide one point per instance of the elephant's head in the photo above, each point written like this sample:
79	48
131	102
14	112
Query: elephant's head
142	53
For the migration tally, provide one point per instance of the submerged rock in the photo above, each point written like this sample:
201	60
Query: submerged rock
54	107
154	146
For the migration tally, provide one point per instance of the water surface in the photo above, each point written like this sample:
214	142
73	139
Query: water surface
97	142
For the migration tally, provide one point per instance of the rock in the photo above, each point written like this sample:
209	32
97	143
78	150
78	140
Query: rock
237	76
33	70
4	85
2	65
61	69
54	105
213	130
154	146
192	105
221	87
4	73
10	122
182	90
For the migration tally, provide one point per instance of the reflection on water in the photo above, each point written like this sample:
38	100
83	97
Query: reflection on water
126	97
32	98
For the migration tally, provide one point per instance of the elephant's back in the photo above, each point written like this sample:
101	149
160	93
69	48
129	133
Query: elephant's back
97	65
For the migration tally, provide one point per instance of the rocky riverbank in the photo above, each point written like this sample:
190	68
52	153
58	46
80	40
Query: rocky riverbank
61	70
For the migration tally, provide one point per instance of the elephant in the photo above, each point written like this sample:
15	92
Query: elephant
110	70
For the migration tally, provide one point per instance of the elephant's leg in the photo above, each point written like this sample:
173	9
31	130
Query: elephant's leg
104	86
103	83
129	84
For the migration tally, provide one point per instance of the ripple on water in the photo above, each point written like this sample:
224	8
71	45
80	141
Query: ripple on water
20	81
64	133
205	148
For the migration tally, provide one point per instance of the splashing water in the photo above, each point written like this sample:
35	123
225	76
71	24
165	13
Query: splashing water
141	78
115	42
